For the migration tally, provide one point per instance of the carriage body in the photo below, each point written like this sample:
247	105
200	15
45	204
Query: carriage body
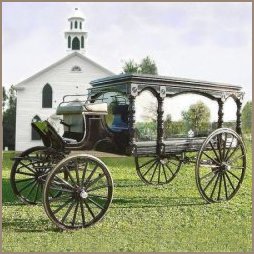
105	120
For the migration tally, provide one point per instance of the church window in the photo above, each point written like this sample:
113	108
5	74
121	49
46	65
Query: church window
47	96
82	41
80	25
76	24
76	68
75	43
34	134
69	42
71	24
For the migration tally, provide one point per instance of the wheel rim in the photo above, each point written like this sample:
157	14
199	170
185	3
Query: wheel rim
157	170
221	166
29	174
86	193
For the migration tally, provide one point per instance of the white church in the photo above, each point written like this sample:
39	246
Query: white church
39	95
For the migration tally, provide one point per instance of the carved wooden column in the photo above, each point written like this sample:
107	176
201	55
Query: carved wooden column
220	112
238	116
160	122
131	123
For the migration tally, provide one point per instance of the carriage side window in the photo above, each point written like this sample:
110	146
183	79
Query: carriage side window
117	117
47	96
34	134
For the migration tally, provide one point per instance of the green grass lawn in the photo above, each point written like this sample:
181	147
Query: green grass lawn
141	218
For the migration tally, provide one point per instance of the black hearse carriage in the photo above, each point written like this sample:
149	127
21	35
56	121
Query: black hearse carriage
77	188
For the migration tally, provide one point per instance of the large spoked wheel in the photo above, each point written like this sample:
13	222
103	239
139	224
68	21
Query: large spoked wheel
86	193
29	172
157	170
220	165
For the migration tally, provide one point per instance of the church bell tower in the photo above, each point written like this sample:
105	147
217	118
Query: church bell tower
75	36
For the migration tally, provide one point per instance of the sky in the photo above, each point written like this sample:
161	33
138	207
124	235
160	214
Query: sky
207	41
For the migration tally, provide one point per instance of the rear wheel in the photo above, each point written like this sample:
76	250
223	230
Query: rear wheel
157	170
220	165
29	172
86	193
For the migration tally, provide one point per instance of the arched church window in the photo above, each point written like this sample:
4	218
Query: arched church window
69	42
34	134
71	24
76	68
80	25
76	24
47	96
75	43
82	41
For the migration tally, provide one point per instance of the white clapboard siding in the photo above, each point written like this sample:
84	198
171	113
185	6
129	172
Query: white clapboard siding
63	81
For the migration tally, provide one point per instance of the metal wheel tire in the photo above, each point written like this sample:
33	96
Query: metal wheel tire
221	165
156	170
86	193
29	173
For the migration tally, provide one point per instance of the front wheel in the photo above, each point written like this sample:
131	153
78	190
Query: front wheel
86	192
221	165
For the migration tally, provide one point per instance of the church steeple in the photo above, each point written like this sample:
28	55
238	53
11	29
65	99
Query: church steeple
75	36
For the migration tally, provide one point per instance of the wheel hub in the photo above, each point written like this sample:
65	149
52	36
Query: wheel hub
83	194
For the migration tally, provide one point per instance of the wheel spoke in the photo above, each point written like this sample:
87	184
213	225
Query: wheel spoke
26	186
229	156
216	162
239	157
36	194
91	175
206	175
66	184
24	180
218	197
163	168
95	180
62	206
75	214
217	156
149	168
25	173
89	209
146	163
68	211
225	145
214	187
77	174
95	203
154	172
234	175
82	212
169	169
97	188
84	173
69	174
210	181
159	173
31	190
52	187
226	155
225	186
26	166
230	181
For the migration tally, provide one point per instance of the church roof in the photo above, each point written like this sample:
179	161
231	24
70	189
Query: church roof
61	61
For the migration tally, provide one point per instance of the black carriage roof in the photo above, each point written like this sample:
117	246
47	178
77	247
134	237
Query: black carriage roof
162	81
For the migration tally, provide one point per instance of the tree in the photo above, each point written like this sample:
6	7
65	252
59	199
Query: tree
5	97
9	121
247	117
147	66
197	117
130	67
